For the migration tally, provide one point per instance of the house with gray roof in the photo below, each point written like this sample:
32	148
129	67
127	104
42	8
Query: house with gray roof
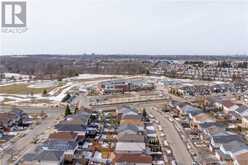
128	129
59	145
131	116
43	158
126	109
74	123
242	111
221	138
209	129
191	111
49	157
234	146
129	147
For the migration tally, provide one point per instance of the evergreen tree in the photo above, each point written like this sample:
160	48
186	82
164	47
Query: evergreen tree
147	72
144	113
76	110
67	110
44	93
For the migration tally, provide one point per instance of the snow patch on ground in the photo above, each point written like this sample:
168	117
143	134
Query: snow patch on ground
43	84
60	96
12	83
88	76
1	99
18	76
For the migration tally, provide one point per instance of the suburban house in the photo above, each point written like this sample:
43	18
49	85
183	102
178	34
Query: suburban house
130	138
226	105
242	111
245	122
224	137
201	118
43	158
64	136
190	111
59	145
126	110
74	123
209	129
137	159
241	158
131	134
238	150
13	120
130	147
130	129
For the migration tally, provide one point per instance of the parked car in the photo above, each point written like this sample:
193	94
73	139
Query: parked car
166	143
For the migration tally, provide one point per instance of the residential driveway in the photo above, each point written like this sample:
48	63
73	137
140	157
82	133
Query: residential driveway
179	149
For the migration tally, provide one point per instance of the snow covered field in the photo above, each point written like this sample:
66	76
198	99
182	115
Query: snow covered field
43	84
1	98
18	76
56	94
89	76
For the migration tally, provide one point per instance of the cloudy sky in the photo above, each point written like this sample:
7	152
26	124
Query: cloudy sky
132	27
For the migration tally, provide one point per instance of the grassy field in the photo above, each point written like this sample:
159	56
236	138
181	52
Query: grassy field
21	89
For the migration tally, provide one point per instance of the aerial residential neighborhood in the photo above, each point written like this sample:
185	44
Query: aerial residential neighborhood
122	119
124	82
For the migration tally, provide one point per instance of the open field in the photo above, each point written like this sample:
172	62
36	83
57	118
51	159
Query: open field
21	88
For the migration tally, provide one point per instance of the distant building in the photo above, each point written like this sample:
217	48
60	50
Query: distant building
121	86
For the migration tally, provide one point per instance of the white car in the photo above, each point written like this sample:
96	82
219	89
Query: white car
168	151
188	146
162	135
166	143
160	128
173	162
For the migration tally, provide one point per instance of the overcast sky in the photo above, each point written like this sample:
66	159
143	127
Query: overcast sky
132	27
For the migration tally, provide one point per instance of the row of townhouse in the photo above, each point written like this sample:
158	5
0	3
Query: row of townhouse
61	147
131	147
185	89
229	147
118	136
234	111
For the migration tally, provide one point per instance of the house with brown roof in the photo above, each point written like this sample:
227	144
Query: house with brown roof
136	122
130	138
201	118
226	105
63	136
137	159
241	159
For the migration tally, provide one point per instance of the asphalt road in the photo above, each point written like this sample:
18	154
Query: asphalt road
179	149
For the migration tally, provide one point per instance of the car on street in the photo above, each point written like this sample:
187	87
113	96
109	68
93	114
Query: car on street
166	143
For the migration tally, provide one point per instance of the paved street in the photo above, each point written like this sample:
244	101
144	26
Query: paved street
179	149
